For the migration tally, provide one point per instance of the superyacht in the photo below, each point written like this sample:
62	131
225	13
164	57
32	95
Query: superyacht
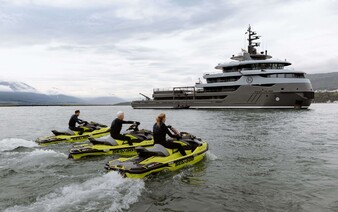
252	80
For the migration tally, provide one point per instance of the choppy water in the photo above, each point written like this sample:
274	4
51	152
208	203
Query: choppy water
259	160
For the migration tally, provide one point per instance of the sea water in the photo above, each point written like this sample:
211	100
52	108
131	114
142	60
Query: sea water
258	160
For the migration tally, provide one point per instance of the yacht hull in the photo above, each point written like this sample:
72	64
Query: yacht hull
279	96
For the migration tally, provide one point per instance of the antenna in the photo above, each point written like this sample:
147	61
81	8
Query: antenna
251	53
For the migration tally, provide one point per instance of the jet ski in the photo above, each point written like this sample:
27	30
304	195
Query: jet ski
159	158
108	145
91	129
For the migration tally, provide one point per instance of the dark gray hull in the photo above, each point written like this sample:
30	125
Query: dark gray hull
278	96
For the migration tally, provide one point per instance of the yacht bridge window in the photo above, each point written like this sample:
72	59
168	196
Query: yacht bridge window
223	79
254	66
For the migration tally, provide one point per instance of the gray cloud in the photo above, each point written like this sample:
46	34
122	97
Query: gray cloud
42	23
138	45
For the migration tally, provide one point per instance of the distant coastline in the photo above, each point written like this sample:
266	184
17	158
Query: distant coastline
326	96
21	94
320	97
63	105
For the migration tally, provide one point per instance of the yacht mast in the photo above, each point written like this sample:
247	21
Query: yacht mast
252	36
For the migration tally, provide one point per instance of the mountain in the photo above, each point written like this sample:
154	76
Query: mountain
326	81
18	93
29	98
16	87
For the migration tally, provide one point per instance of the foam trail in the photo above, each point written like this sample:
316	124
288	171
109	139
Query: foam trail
12	143
109	192
38	158
41	158
43	153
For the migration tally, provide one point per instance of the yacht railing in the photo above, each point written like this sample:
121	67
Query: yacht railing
186	88
162	89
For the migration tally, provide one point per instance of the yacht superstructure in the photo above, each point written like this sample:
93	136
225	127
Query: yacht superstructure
251	80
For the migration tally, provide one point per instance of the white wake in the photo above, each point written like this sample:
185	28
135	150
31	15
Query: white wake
12	143
109	192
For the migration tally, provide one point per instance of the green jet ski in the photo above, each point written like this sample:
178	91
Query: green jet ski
158	158
92	129
108	145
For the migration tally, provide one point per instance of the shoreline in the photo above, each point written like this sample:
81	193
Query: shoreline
61	105
95	105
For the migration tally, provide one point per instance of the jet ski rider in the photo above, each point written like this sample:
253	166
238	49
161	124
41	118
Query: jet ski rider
160	130
116	127
73	120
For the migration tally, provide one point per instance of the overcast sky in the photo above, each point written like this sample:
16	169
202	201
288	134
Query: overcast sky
121	48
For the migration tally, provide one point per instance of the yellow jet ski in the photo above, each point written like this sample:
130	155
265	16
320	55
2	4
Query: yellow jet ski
158	158
108	146
91	129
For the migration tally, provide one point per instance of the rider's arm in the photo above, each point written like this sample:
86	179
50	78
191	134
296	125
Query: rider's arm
128	122
80	121
168	131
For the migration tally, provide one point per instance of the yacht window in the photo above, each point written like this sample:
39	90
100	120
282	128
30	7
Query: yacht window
289	76
273	75
281	76
223	79
230	69
299	76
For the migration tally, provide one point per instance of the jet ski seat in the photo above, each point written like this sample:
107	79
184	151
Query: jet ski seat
66	132
156	150
108	141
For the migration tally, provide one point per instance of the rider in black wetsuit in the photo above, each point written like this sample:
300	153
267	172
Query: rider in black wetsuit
160	130
73	120
116	127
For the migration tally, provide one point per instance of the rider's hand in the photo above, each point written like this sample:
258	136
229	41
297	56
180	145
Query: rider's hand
179	137
169	126
136	122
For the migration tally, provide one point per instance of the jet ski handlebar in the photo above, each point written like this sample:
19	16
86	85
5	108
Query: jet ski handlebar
134	126
84	123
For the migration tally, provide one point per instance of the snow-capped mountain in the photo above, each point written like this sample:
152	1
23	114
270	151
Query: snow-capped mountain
54	91
19	93
16	87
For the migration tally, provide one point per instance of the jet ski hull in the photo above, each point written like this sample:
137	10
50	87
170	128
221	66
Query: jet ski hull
89	150
140	167
110	146
101	130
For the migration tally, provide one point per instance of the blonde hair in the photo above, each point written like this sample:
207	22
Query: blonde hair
160	118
